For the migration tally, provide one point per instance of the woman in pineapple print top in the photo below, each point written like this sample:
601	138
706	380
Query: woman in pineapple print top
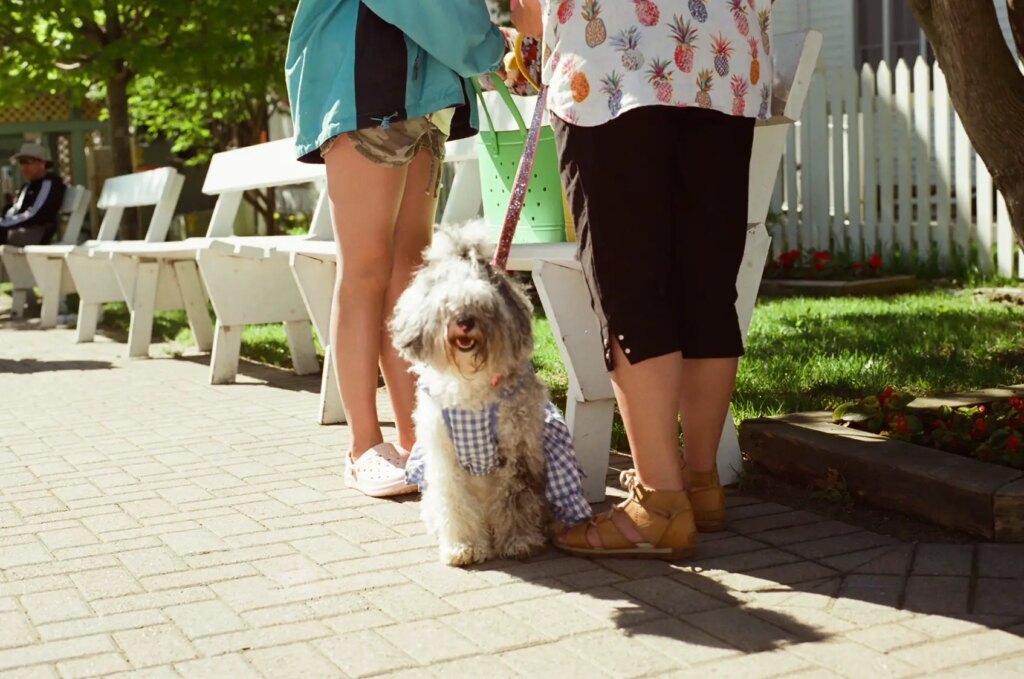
654	105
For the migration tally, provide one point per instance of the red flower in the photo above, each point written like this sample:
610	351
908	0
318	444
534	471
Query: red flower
818	266
875	262
856	266
1013	444
982	409
980	426
1017	403
886	396
822	256
788	259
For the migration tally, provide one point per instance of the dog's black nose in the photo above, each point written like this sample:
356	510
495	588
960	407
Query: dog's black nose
465	323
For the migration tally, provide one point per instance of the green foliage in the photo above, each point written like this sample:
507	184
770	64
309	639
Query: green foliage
205	74
222	95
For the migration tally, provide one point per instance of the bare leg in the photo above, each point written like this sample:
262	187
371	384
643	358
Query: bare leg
704	398
648	398
412	234
365	199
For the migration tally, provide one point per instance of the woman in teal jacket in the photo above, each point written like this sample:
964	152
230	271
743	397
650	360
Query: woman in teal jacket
376	88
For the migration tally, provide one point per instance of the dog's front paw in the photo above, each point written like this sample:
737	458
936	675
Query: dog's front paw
520	546
463	554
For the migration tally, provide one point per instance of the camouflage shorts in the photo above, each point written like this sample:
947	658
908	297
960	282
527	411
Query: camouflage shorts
397	144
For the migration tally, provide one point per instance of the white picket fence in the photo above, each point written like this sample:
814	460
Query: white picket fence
880	163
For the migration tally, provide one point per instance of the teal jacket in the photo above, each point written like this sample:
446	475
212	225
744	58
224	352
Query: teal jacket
354	64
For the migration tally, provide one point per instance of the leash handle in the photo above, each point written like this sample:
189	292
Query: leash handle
522	183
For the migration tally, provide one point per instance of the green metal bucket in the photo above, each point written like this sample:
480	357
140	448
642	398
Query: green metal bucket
543	217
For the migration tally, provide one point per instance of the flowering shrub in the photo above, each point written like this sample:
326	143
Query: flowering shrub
993	432
822	264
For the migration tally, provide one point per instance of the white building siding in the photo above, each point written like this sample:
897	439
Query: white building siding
837	20
834	18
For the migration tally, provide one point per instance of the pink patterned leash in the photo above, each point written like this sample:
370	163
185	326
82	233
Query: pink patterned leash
522	183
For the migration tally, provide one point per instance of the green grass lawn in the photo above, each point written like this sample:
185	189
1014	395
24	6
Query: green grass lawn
809	354
802	353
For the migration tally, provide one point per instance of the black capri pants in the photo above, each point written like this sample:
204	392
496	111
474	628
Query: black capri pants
659	196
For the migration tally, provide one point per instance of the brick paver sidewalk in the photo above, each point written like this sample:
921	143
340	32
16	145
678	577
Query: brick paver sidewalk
153	524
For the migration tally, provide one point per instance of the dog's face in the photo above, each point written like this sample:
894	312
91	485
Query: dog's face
460	313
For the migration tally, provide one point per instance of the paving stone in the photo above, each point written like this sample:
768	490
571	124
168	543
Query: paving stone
198	541
750	666
407	603
100	665
55	606
495	630
553	618
616	654
886	638
233	666
104	583
54	651
999	596
612	607
683	643
758	524
24	554
204	618
943	559
839	544
550	661
852	660
151	561
1001	561
741	629
807	533
743	561
670	596
429	641
960	650
361	654
936	594
300	659
464	668
878	589
100	624
15	630
1008	668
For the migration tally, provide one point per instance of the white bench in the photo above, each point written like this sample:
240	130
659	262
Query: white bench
563	292
75	205
93	277
244	285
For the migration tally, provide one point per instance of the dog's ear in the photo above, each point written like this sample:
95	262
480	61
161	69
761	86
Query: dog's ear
520	309
410	324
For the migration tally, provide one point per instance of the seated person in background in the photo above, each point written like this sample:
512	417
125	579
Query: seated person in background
34	216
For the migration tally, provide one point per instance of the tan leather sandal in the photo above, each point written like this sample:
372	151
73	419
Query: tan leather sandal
650	524
707	497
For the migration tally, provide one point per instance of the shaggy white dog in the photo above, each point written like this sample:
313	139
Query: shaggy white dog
481	412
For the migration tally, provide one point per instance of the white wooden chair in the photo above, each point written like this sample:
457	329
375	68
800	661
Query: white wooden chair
74	206
162	276
69	268
563	292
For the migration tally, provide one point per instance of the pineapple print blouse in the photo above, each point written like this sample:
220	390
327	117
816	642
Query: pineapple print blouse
604	57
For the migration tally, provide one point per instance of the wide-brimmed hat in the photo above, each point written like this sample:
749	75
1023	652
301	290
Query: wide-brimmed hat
32	150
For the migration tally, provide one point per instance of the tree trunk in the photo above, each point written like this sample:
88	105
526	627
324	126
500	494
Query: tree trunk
986	87
120	139
1016	11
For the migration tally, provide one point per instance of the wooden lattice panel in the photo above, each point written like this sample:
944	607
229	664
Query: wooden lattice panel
49	108
63	159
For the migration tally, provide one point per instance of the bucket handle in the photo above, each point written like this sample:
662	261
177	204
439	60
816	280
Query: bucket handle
506	96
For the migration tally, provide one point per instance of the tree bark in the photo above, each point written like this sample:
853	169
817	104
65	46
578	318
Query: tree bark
1016	11
986	87
120	137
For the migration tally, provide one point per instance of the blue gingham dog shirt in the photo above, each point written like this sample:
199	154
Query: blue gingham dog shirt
474	433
